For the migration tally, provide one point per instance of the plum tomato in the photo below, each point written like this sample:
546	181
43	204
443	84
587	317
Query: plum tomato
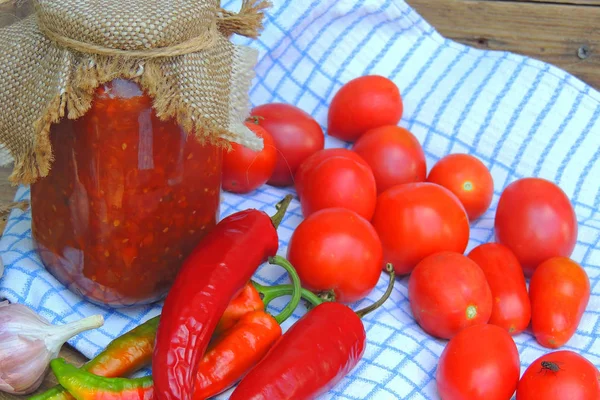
316	158
416	220
296	135
245	170
536	220
337	249
559	291
339	181
361	104
480	363
394	154
466	177
561	374
448	292
511	309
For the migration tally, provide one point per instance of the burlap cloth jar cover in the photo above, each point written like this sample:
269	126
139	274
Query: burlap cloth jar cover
177	50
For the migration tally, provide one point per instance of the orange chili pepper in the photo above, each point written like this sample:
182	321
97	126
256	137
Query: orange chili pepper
228	358
132	351
246	301
241	347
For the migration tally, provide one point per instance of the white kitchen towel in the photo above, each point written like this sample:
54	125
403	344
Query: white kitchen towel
521	117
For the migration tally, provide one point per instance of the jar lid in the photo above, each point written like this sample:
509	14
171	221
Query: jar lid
177	50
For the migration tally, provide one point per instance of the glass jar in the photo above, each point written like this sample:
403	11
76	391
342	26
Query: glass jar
127	199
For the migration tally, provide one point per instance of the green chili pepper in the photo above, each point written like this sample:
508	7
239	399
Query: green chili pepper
122	356
84	385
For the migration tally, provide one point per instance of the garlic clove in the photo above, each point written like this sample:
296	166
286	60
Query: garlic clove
20	371
28	343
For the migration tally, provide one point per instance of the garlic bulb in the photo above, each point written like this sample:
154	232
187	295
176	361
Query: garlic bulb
28	343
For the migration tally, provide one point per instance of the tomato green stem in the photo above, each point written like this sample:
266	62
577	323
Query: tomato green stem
254	119
390	270
281	208
296	293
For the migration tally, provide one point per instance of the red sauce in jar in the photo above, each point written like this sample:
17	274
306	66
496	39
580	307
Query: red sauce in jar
127	199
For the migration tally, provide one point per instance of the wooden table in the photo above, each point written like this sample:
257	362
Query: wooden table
563	32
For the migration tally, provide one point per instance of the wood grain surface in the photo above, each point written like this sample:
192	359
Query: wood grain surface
565	33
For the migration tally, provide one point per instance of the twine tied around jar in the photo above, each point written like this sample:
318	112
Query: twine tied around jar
178	51
245	23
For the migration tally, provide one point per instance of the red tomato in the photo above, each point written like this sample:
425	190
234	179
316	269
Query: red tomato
337	249
560	375
536	221
480	363
296	134
245	170
316	158
447	293
394	154
511	309
339	181
416	220
559	291
364	103
466	177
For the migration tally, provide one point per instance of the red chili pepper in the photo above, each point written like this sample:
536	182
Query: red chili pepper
210	277
312	356
228	358
132	351
244	345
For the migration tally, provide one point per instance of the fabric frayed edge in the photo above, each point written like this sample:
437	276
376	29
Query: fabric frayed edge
242	74
75	99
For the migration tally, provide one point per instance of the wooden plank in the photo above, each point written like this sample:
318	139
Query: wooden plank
8	15
551	32
567	36
581	2
7	194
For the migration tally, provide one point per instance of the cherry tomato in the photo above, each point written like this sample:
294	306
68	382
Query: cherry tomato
447	293
394	154
316	158
480	363
536	220
364	103
337	249
296	135
416	220
511	309
466	177
339	181
560	375
245	170
559	291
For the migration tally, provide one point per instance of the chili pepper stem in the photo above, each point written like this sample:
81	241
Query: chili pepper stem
281	208
389	268
296	294
328	295
270	293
